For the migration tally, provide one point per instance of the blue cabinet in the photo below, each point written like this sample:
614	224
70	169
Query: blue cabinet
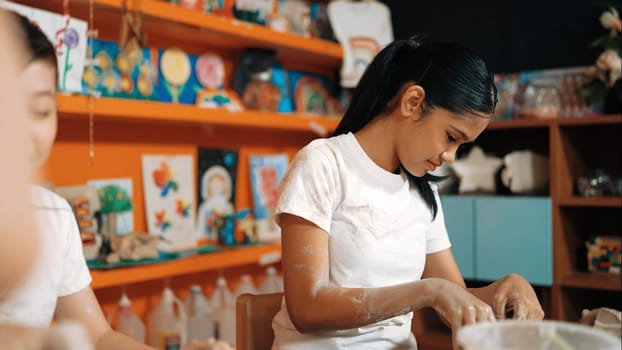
494	236
460	222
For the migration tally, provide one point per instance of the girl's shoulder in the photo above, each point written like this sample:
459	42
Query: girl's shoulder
329	145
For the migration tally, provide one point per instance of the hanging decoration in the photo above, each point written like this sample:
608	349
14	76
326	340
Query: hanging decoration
92	34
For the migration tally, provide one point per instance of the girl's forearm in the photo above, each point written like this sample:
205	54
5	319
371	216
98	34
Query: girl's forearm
335	308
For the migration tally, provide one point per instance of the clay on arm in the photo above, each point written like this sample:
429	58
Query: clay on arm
82	307
315	305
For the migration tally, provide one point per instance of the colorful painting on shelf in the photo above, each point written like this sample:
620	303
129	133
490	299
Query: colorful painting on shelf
266	173
210	72
127	73
168	186
311	94
69	38
217	170
177	77
280	79
115	197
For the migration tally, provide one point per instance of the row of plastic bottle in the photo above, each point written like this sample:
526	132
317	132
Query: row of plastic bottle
173	322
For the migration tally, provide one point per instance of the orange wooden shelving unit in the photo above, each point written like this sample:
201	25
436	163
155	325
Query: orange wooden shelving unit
124	130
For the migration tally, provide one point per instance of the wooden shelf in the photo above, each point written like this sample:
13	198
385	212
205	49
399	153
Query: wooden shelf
225	31
134	110
591	120
240	256
615	202
593	280
200	30
597	119
519	123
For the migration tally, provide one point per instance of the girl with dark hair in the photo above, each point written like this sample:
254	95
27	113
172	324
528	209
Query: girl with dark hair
58	287
363	236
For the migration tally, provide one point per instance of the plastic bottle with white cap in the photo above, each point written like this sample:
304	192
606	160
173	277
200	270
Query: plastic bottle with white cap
272	283
128	322
200	315
167	323
224	311
245	286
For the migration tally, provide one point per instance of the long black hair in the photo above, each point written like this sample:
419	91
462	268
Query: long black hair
453	77
38	46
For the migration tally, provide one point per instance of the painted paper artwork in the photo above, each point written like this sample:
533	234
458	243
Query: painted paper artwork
68	37
115	197
267	171
217	174
168	185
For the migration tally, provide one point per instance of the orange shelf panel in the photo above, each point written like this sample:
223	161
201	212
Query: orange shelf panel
238	33
134	110
593	280
239	256
57	6
615	202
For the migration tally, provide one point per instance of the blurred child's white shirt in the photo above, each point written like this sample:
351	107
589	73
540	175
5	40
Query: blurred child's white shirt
59	270
379	228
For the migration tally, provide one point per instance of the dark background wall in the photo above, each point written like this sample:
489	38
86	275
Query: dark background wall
511	35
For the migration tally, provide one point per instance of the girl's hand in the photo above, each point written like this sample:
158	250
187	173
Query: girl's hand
457	306
514	294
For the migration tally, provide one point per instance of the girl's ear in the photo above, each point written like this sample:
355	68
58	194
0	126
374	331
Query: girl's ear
411	104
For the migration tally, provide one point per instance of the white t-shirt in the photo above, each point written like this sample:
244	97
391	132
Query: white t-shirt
380	232
363	29
59	270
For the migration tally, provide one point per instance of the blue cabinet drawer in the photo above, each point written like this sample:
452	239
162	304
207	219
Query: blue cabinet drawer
514	234
460	222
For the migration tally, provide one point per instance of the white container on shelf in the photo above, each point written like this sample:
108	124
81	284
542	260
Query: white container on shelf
272	283
200	315
167	323
246	286
224	311
128	322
